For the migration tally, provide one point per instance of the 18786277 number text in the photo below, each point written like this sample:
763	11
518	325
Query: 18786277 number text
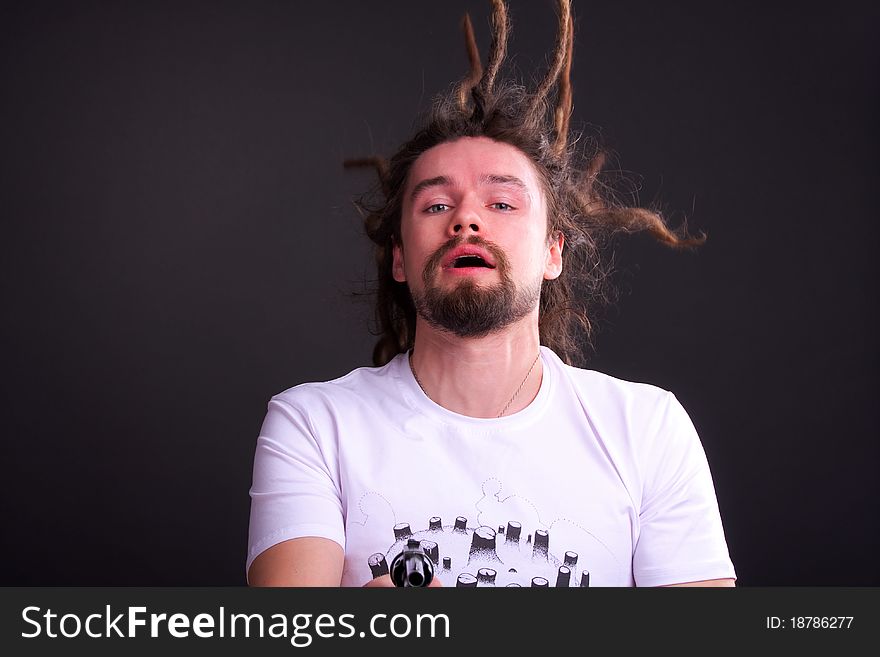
809	622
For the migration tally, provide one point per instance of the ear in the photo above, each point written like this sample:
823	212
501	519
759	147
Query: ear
398	271
553	264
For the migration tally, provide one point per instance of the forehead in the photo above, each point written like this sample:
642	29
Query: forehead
469	159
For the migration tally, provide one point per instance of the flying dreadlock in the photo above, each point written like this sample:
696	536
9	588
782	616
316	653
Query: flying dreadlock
579	205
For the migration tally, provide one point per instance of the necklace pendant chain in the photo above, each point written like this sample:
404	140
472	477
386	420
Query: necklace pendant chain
522	383
506	406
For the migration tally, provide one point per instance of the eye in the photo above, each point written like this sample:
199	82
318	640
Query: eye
437	207
501	205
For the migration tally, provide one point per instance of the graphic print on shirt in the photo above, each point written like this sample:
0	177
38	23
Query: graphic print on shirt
504	543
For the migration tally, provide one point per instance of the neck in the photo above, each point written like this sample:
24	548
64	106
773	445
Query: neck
480	377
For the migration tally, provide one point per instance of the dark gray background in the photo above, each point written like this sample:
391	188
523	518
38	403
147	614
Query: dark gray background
179	244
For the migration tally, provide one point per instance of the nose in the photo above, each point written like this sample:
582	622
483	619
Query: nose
464	220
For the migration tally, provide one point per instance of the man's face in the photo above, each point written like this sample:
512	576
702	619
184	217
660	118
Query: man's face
474	236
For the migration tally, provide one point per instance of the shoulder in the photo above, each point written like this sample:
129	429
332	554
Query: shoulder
642	416
316	408
359	384
608	389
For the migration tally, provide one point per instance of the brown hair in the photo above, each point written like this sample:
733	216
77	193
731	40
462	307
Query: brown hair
580	206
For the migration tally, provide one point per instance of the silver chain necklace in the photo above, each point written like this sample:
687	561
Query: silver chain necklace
506	406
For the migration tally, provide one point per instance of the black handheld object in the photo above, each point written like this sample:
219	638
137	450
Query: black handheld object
412	567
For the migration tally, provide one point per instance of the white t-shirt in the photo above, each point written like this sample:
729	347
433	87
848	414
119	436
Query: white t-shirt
598	481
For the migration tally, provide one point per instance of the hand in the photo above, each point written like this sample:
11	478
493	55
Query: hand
384	581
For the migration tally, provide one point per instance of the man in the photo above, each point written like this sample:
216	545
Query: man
508	465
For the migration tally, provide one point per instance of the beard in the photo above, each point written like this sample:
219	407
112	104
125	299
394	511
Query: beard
471	310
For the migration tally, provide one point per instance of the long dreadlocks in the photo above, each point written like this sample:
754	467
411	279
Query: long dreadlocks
580	206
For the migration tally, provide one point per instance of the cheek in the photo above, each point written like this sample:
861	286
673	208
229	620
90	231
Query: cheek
533	256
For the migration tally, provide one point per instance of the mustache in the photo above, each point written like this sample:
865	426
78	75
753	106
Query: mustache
501	262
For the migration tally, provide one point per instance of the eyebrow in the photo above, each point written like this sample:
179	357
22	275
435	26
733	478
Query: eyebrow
488	179
513	181
438	181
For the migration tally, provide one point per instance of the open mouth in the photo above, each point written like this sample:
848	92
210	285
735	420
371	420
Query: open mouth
464	261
